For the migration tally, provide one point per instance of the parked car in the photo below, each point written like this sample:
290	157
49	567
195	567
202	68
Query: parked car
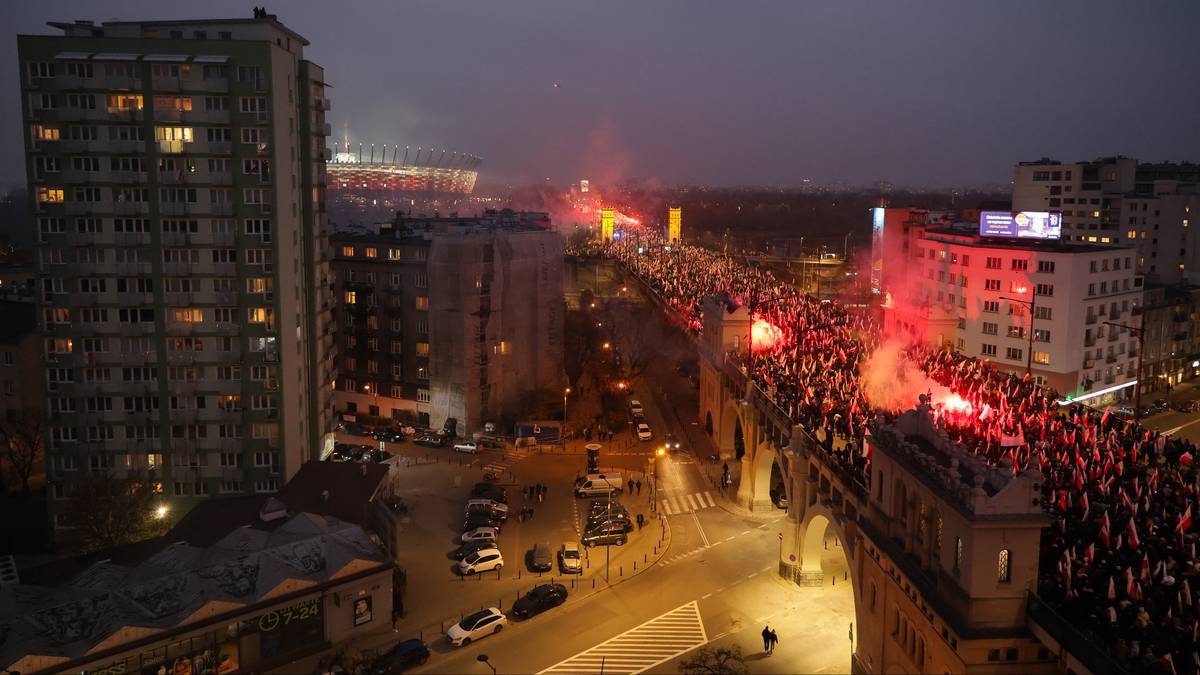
613	523
539	599
489	442
489	491
467	548
1162	405
388	436
779	497
569	560
635	407
599	485
478	625
540	559
483	560
480	519
643	432
357	429
430	441
1187	406
402	656
450	428
493	509
608	535
489	533
598	506
466	446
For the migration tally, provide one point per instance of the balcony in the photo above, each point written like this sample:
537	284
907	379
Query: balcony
1111	358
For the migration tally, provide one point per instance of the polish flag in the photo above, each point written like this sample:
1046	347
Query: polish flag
1185	521
1133	534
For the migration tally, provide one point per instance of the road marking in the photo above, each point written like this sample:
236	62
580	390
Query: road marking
642	647
706	596
701	529
687	503
746	532
1172	432
730	537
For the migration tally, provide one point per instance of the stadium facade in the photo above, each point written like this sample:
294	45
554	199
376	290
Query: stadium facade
390	168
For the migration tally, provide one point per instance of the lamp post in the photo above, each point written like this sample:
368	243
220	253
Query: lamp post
1140	334
566	393
483	658
1031	303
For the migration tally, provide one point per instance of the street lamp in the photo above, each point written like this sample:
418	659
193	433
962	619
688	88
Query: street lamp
483	658
1140	334
1031	303
161	512
566	393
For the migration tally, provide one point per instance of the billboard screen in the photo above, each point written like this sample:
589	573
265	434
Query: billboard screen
878	218
606	223
1021	224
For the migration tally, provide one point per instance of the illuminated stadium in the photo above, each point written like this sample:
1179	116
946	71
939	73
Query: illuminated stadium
392	169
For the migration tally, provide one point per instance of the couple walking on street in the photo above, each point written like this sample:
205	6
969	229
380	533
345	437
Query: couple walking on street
770	639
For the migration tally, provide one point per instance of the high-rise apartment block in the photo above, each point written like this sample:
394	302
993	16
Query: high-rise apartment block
1116	200
450	318
176	170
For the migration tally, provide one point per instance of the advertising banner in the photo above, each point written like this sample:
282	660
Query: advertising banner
1020	224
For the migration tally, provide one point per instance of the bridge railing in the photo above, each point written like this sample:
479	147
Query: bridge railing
1087	650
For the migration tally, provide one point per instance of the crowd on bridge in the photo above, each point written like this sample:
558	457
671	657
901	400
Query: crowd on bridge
1119	560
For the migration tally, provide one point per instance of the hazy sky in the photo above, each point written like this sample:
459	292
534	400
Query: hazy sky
918	93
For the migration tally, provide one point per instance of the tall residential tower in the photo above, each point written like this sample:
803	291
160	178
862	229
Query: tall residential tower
176	170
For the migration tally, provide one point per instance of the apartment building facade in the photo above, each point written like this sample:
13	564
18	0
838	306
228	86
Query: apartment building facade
450	318
1119	201
975	295
176	171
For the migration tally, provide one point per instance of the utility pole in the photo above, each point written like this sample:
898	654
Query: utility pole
1140	334
1032	305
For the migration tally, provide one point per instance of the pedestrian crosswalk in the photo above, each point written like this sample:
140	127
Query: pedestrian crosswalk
643	647
499	465
687	503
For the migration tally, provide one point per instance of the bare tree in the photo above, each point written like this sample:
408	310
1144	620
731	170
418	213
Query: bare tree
641	341
715	661
107	511
24	439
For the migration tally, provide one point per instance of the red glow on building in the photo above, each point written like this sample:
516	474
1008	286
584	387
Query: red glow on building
763	334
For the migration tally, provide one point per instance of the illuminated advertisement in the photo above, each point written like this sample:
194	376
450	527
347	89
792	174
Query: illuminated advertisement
584	186
674	224
362	610
1021	224
877	220
607	216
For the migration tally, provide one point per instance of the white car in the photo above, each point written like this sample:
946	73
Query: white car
568	558
643	431
468	446
478	625
480	533
483	560
635	407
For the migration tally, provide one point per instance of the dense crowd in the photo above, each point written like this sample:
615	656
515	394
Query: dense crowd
1119	559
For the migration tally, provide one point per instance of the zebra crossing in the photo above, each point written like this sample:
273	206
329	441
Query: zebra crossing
501	464
687	503
642	647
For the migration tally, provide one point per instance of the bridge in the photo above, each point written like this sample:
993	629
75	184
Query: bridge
942	550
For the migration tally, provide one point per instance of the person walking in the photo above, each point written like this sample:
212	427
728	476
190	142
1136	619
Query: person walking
541	493
774	642
639	487
766	636
630	486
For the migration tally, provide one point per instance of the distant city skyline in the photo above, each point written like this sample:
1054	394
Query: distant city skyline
932	95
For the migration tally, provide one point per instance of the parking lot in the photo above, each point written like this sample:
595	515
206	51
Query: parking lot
436	483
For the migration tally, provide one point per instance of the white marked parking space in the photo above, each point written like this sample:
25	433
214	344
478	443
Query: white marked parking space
689	503
642	647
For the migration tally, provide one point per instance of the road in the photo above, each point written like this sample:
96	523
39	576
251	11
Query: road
715	585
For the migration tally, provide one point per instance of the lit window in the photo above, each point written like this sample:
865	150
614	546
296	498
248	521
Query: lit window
1042	358
50	195
181	134
348	251
350	297
423	302
189	315
371	252
257	314
124	102
1003	567
422	349
44	133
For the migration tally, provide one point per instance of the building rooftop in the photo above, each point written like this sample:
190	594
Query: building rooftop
160	585
967	234
78	26
422	228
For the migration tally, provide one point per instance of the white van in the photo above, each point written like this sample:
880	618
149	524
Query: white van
599	485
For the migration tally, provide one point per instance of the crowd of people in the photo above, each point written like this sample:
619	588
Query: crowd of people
1119	560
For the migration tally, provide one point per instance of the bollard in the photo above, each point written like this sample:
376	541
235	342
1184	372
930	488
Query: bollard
634	565
593	582
645	557
621	570
518	574
834	580
845	575
478	577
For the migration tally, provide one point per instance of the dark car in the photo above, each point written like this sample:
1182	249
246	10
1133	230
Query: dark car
539	599
490	491
1187	406
602	506
1161	405
430	441
450	428
621	523
477	519
388	436
357	429
403	656
470	547
540	558
608	535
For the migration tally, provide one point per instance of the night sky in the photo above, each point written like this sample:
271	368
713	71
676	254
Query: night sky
728	93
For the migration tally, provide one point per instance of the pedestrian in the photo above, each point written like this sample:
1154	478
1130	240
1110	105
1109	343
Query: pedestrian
774	641
641	521
541	493
725	468
639	487
630	486
610	436
766	636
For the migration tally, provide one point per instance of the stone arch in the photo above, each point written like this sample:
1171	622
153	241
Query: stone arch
731	420
758	473
818	522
